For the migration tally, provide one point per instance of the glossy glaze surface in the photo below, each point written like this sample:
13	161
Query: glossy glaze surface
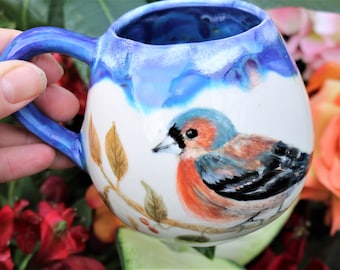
197	126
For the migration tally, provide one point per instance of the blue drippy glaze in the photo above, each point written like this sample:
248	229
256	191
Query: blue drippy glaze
163	53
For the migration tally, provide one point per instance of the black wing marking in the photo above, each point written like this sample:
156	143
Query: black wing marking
282	167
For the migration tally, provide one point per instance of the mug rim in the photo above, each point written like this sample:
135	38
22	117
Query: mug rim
140	11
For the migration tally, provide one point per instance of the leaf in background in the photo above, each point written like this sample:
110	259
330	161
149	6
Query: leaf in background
139	252
93	17
56	13
26	13
208	252
154	204
84	213
5	22
115	153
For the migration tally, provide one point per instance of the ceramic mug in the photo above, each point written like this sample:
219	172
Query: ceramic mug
197	125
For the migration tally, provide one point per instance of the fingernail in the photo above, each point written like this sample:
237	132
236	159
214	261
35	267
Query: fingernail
23	82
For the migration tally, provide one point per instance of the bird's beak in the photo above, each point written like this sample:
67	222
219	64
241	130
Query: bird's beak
167	145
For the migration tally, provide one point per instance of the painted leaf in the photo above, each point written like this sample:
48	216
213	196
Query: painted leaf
94	143
115	153
193	238
154	204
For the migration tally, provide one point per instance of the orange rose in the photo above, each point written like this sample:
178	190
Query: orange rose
105	223
323	179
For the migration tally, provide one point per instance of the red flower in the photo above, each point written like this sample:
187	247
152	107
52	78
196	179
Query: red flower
54	189
27	230
6	262
6	225
76	263
72	81
6	229
58	238
294	239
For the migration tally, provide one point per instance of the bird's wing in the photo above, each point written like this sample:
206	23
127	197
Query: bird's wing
281	167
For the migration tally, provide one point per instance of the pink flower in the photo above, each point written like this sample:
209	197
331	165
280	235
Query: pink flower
313	37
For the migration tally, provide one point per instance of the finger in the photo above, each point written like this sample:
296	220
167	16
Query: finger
20	83
45	61
12	136
50	66
16	135
61	162
6	36
20	161
58	103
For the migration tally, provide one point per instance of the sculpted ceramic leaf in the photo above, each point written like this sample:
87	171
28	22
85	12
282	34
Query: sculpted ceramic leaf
154	204
115	153
95	144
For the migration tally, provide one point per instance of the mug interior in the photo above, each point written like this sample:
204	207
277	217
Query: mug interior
188	24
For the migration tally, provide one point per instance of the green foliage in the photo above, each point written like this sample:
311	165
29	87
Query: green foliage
92	17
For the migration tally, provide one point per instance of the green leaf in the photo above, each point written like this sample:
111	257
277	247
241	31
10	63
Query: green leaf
84	212
26	13
93	17
56	13
139	251
243	249
24	188
5	22
209	252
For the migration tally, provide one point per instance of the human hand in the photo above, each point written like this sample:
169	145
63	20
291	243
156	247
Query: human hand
21	82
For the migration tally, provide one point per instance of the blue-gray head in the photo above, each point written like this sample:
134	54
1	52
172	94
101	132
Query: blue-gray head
208	126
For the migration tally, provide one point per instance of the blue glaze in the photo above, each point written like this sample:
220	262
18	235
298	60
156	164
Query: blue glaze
42	40
159	52
162	55
64	140
225	132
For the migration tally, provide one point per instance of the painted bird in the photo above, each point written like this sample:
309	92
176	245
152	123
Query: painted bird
224	175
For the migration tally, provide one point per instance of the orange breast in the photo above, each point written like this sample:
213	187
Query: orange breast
197	197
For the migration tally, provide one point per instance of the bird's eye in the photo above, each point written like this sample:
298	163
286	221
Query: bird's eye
191	133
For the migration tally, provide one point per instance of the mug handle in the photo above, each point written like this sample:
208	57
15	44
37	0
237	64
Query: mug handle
41	40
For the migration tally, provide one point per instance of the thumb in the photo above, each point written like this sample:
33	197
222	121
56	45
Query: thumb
20	83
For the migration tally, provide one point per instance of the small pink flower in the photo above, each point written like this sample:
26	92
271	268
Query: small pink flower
313	37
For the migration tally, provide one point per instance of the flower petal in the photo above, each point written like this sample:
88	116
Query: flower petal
93	198
329	142
105	224
329	70
335	221
6	225
83	263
